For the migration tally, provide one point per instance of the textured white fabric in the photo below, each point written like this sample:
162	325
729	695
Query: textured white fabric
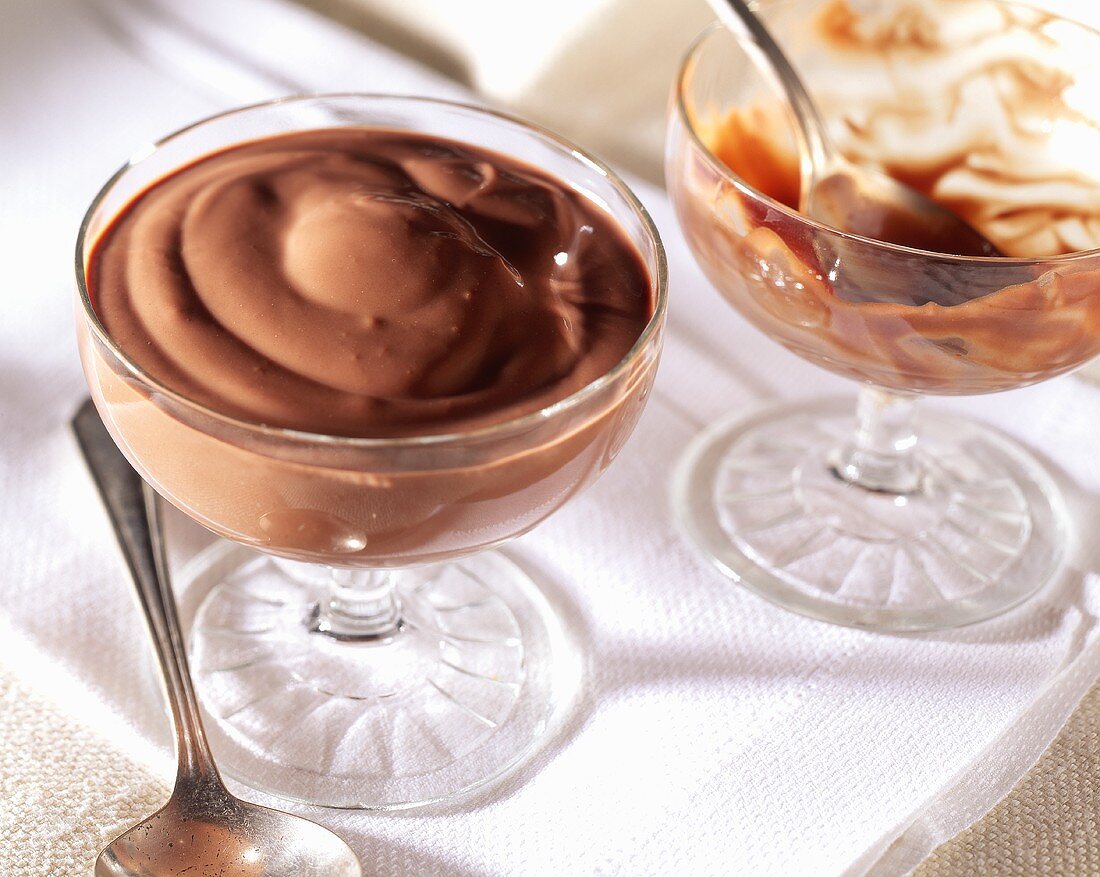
714	735
1069	764
67	786
1047	823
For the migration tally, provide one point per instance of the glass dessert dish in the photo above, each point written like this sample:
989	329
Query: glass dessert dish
359	646
890	520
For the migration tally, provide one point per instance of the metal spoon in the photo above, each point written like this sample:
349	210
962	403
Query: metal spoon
203	829
842	194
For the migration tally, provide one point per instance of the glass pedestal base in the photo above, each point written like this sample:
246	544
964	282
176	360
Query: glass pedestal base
459	694
764	498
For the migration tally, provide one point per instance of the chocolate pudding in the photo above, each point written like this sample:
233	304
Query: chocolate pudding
971	103
381	294
362	283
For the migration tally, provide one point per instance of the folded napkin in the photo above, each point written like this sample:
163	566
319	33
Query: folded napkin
1047	823
599	71
713	733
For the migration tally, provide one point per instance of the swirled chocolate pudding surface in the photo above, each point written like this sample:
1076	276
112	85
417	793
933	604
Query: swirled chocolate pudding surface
364	282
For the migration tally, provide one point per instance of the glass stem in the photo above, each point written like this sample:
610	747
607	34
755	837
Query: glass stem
362	604
882	454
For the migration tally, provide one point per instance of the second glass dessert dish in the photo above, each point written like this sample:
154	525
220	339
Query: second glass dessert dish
365	339
896	518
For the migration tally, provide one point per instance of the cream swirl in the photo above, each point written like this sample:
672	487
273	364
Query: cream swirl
365	282
990	108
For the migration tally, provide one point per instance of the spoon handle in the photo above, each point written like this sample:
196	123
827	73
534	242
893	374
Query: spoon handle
739	18
133	509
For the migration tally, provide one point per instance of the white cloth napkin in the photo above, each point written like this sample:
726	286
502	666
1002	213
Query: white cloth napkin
714	733
596	70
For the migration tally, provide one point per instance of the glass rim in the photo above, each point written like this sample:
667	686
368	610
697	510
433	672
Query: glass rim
728	174
511	425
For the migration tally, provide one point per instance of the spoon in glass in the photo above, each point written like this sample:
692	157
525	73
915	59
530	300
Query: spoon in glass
844	195
203	829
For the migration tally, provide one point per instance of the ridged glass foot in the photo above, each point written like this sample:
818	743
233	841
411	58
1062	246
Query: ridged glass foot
460	693
979	528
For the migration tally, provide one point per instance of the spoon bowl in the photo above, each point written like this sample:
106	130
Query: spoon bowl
874	205
207	831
